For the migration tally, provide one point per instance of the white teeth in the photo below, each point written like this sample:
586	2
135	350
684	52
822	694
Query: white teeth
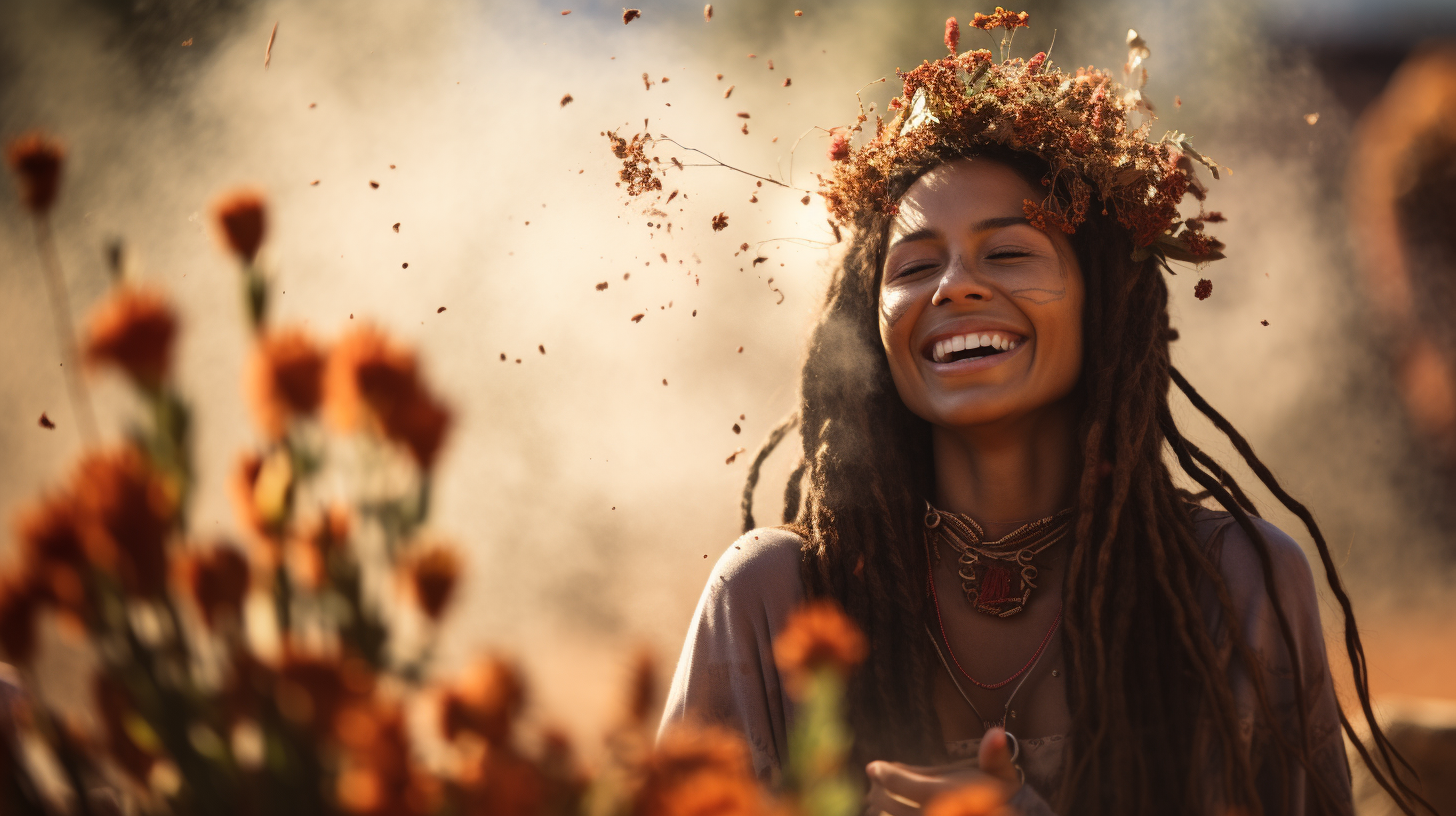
958	344
985	339
996	342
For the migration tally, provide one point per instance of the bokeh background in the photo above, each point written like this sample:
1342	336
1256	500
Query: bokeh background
587	482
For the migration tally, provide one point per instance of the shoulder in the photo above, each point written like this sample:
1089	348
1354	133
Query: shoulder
761	567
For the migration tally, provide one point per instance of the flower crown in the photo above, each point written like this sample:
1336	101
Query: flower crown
1077	123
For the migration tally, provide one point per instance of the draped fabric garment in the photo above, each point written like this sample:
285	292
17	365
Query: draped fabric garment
726	674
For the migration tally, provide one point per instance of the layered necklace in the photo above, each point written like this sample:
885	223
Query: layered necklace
997	577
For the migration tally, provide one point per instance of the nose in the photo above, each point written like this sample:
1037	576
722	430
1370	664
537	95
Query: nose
959	283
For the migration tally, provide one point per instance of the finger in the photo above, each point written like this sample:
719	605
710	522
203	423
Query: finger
879	802
995	758
904	781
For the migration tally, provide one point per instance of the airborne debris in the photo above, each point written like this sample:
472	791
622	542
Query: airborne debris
708	12
674	192
542	349
732	456
1203	289
628	15
788	82
566	12
737	429
798	13
770	65
602	287
185	43
760	259
720	222
743	114
374	185
728	92
268	52
441	309
804	200
566	100
1311	118
646	81
637	318
1263	322
396	226
45	421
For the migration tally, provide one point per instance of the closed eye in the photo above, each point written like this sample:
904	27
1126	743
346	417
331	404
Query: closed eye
1008	254
914	269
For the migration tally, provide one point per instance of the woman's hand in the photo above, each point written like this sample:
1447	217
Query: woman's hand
898	789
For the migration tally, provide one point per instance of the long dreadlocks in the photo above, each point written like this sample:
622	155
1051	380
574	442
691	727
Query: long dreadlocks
1146	675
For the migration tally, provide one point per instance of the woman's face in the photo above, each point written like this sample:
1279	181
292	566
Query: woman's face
980	312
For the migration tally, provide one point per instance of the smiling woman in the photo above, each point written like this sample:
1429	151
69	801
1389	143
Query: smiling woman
985	419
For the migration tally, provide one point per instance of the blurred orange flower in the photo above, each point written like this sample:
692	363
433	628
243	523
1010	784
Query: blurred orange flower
20	604
311	690
698	772
36	160
126	511
371	382
499	782
261	490
133	329
975	799
818	635
433	574
53	551
485	701
242	220
284	379
217	581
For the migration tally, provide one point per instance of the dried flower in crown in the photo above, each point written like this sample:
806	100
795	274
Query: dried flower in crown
1075	122
242	222
36	161
284	379
818	635
133	329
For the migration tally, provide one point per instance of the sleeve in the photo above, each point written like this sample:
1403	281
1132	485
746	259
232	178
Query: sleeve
1285	786
726	674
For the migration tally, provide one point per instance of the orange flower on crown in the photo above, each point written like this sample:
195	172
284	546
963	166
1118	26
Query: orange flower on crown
284	379
698	772
485	701
1001	18
36	161
126	511
433	573
242	222
217	581
133	329
818	635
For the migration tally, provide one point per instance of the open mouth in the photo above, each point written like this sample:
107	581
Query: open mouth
971	346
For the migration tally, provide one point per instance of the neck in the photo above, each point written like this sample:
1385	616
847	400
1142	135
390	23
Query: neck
1009	472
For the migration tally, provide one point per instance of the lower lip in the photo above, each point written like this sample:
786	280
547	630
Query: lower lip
976	363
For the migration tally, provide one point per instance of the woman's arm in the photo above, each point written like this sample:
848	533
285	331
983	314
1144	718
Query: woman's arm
726	674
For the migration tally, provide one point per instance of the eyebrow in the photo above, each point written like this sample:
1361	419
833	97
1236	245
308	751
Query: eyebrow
981	226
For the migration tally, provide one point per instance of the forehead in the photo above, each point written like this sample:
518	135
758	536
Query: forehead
955	195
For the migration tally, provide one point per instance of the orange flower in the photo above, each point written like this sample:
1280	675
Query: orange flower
500	782
217	580
311	691
838	147
952	34
818	635
20	603
261	490
1001	18
420	425
284	379
53	551
36	161
369	381
133	329
485	702
310	550
975	799
433	575
126	513
698	772
241	218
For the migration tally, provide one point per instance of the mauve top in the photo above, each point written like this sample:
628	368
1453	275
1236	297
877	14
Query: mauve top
727	675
